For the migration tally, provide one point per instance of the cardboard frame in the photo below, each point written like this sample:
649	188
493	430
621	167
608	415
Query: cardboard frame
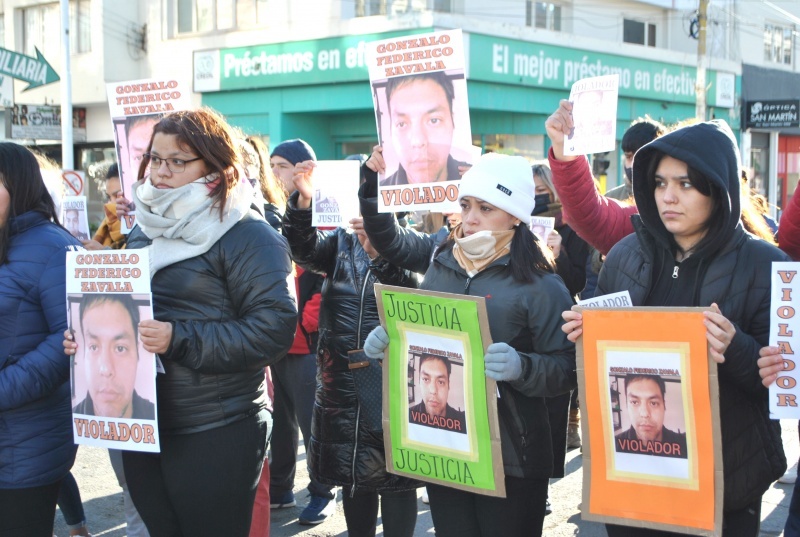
460	452
650	488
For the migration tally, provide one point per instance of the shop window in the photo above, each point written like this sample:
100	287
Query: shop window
778	43
639	33
39	21
546	15
530	146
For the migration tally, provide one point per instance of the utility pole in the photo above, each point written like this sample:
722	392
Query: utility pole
700	84
67	157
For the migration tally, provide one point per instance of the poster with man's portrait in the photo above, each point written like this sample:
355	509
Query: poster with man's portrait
419	92
439	408
112	376
594	112
136	106
652	446
74	217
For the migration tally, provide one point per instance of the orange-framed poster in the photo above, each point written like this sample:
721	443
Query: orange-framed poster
649	399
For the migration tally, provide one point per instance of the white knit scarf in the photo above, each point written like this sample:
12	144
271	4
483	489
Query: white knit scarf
183	222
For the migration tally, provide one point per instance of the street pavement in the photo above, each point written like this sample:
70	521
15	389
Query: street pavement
102	500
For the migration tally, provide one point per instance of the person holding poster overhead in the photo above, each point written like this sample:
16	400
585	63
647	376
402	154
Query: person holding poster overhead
36	445
223	311
690	249
346	448
493	254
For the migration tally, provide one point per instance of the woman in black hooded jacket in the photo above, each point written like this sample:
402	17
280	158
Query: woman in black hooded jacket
690	249
346	446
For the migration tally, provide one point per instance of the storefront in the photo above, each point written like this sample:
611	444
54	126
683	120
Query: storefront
771	141
319	91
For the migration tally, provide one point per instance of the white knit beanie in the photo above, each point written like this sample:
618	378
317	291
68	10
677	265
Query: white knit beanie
502	180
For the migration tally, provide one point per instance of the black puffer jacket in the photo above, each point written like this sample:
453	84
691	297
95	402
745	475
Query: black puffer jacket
526	316
232	314
733	270
344	450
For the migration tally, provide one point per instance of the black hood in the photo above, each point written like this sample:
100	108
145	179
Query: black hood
709	148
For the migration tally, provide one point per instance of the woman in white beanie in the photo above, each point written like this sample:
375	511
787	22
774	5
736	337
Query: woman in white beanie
492	253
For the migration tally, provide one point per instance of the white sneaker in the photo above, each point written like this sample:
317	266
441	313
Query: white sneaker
425	499
789	477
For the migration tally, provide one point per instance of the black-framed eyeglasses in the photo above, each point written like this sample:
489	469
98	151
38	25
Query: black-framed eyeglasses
175	165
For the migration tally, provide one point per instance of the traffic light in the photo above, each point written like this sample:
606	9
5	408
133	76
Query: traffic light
600	164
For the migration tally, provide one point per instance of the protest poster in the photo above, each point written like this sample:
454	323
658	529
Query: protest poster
541	226
74	216
650	400
594	112
621	299
136	106
439	408
113	378
419	91
784	392
335	200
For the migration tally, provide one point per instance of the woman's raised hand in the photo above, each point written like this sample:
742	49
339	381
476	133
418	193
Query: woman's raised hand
559	126
375	161
302	182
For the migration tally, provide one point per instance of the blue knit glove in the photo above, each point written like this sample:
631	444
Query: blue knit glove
376	343
502	362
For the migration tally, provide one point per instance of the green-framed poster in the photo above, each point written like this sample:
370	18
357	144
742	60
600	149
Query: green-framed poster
439	408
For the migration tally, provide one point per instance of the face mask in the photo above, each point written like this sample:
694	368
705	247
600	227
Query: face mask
629	174
542	201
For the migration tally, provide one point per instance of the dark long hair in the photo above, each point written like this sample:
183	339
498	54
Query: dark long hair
714	225
529	257
271	188
21	177
205	133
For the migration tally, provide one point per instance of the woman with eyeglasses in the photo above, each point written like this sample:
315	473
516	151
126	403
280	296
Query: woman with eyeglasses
223	311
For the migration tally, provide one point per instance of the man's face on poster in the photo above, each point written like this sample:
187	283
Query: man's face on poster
435	386
111	358
422	129
646	408
71	221
138	140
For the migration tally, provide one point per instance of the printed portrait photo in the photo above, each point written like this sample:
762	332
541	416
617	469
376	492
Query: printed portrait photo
112	375
424	127
647	413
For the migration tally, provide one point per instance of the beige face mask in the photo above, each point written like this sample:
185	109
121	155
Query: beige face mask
479	250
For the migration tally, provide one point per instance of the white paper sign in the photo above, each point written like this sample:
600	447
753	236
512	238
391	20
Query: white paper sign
621	299
594	112
541	226
335	200
74	218
784	393
112	377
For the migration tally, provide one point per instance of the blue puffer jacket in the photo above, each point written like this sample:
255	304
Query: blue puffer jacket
36	446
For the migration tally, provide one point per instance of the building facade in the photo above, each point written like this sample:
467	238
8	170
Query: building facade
284	69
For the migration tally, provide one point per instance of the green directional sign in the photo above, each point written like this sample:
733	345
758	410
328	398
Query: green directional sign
36	71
